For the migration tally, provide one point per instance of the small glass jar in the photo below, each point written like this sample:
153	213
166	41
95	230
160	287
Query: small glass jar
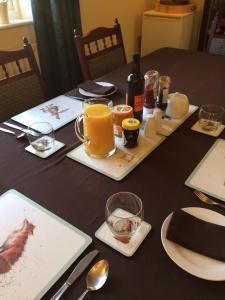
119	113
151	88
130	132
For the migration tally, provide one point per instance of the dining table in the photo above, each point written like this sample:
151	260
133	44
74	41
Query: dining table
78	194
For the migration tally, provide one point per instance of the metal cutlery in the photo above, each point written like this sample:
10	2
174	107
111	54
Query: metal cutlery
20	128
76	97
80	267
96	277
8	131
206	199
19	136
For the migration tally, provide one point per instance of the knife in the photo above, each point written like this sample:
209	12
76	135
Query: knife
6	130
19	128
76	98
80	267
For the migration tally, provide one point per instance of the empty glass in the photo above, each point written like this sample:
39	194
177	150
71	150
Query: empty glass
211	116
41	136
124	213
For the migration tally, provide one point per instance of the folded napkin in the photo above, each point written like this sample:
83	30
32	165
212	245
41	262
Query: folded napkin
92	87
197	235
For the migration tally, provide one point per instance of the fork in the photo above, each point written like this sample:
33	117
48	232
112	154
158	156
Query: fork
206	199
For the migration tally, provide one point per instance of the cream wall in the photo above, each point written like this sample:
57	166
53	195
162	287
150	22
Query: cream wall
96	13
11	36
93	14
129	12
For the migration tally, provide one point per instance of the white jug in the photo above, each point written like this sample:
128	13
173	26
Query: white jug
178	105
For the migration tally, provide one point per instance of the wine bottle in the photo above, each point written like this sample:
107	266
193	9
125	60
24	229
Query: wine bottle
135	88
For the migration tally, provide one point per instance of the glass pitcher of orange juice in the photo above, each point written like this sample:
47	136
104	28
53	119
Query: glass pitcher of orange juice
97	136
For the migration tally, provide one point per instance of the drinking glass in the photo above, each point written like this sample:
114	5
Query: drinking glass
41	136
97	135
211	116
119	113
124	213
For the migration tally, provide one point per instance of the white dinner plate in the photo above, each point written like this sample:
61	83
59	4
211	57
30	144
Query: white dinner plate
192	262
107	84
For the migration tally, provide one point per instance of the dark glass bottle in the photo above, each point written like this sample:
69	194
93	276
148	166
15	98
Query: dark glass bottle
135	89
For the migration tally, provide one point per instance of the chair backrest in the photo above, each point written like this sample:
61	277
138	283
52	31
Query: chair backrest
216	33
21	85
100	51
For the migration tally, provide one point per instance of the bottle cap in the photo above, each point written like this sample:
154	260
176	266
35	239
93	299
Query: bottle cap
131	124
122	108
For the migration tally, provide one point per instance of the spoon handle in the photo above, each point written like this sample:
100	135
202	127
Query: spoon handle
6	130
83	295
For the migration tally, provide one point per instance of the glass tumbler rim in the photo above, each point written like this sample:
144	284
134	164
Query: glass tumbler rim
119	217
218	108
40	122
98	100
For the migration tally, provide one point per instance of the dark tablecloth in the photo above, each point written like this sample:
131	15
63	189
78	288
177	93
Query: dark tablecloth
78	194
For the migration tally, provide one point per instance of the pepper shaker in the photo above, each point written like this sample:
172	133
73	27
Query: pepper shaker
150	127
163	91
158	118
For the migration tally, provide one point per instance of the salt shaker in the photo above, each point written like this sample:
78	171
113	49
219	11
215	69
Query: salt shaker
157	113
150	92
150	127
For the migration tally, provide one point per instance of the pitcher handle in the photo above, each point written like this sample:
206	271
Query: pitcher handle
78	130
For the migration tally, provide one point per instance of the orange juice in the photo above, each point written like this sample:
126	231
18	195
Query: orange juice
98	130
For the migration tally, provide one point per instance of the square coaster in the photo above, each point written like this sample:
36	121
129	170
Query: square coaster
44	154
105	235
215	133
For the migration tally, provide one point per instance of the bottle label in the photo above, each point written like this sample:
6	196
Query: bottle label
138	103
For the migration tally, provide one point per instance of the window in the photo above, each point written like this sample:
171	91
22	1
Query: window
19	9
14	9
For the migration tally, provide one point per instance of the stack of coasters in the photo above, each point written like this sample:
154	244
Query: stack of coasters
215	133
128	249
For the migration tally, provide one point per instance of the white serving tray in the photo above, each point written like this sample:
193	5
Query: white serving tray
125	160
209	175
122	162
51	246
170	125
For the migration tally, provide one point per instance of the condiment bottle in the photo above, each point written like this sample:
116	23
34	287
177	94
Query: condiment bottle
135	89
119	113
164	85
150	92
130	132
150	127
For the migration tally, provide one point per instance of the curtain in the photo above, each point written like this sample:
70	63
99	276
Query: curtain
54	22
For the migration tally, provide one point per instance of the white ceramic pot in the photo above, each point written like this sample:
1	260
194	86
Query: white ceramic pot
4	17
178	105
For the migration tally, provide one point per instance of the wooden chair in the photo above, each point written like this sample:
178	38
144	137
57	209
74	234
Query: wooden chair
100	51
216	38
21	85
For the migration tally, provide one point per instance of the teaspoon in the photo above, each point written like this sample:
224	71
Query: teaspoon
96	277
